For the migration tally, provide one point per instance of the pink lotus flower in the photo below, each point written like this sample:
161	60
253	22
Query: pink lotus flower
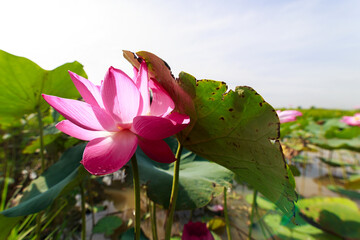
352	120
216	208
196	231
288	115
118	116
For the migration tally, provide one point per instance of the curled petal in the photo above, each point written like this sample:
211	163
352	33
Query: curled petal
80	133
120	95
156	128
162	104
81	113
108	154
157	150
89	91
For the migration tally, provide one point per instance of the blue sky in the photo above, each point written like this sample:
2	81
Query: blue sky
294	53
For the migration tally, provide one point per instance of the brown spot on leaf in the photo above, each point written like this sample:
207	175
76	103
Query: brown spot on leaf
222	118
212	99
231	109
261	104
217	88
213	93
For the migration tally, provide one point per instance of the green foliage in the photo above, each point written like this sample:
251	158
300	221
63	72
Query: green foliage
332	134
344	192
353	182
107	225
200	180
338	216
320	113
236	129
336	162
7	224
296	232
23	81
45	189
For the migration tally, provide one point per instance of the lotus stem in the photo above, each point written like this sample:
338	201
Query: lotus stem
174	194
6	184
253	207
41	135
136	183
227	222
83	213
153	220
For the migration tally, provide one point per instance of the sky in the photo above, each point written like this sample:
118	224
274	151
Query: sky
292	52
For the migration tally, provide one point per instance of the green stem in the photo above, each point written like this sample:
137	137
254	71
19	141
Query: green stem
153	220
253	207
136	183
6	183
83	213
38	226
227	222
41	135
174	193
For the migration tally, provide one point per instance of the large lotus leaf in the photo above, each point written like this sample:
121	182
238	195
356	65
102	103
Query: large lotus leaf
236	129
336	162
337	143
22	82
338	216
199	181
291	231
107	225
347	193
44	190
346	132
290	128
333	134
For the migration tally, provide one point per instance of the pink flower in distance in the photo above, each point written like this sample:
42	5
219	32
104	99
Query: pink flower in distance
352	120
216	208
118	116
196	231
288	115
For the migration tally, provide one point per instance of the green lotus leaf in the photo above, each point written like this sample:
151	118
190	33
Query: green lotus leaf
295	232
336	162
44	190
199	181
107	225
344	192
23	81
337	216
337	143
334	134
236	129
